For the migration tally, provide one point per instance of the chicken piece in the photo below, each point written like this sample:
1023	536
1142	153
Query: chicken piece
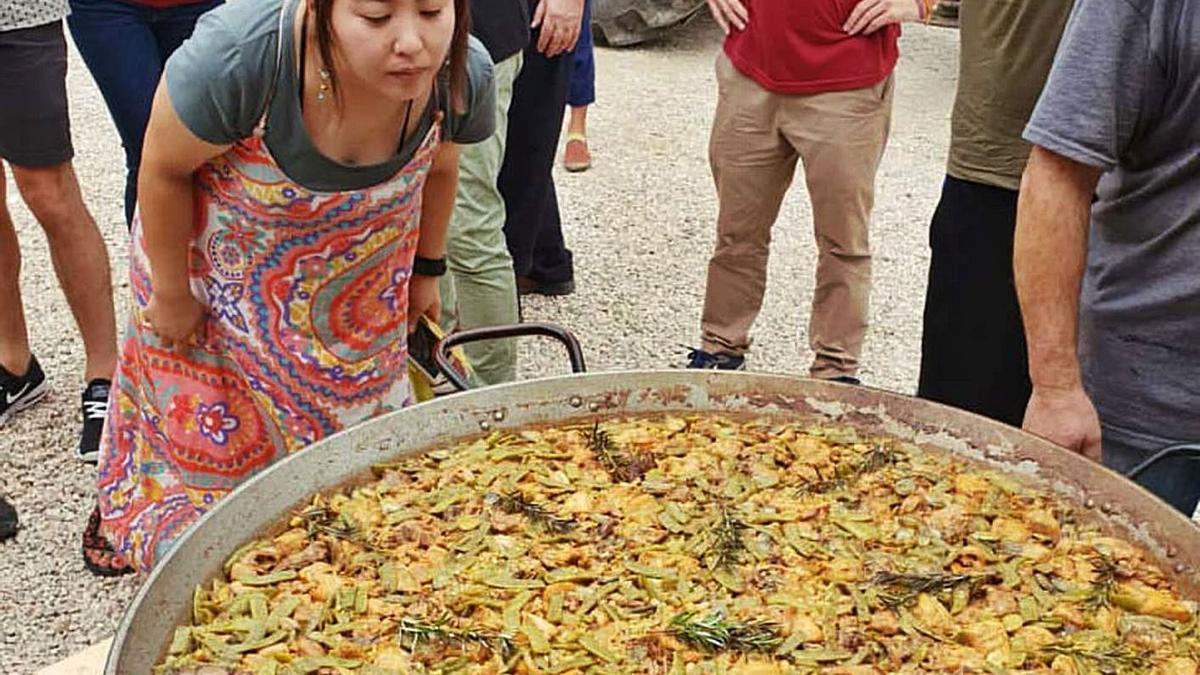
315	552
1009	529
1034	637
972	485
956	658
1141	599
1044	523
985	636
885	622
803	625
1072	615
1178	665
951	522
933	615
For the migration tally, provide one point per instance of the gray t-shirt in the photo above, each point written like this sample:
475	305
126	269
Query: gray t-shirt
1124	96
17	14
218	81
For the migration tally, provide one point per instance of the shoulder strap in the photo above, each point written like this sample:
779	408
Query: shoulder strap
262	119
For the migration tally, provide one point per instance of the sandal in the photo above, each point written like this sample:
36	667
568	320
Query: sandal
98	555
576	156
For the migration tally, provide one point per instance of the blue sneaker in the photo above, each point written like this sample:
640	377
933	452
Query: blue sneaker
698	359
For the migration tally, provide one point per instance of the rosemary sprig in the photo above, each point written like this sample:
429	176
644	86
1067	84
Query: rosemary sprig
515	503
624	467
1106	580
319	520
879	456
415	631
716	633
901	589
727	545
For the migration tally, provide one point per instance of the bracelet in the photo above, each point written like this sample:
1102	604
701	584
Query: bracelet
429	267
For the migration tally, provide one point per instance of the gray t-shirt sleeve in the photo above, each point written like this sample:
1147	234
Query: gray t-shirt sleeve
220	100
478	120
1094	98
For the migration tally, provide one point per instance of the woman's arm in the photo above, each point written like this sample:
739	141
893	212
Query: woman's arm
437	203
166	202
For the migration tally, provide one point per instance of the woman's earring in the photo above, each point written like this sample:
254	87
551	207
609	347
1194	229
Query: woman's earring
323	89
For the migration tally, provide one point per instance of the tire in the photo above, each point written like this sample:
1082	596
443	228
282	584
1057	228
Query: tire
619	23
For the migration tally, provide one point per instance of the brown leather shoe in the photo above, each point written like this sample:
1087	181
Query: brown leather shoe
576	156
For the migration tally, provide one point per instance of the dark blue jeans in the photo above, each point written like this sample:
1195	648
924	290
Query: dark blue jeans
125	46
582	91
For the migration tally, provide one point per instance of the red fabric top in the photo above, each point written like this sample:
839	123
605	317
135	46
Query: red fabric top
161	4
799	47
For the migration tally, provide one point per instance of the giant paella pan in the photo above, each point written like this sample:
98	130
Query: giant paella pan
675	522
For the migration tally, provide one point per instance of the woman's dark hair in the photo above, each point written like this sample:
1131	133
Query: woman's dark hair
456	64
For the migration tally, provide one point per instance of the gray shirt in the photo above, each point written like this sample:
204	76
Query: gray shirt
16	14
219	78
1124	96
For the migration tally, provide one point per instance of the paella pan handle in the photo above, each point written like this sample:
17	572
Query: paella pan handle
1191	450
442	352
1171	473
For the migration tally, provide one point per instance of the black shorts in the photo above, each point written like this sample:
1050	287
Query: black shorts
35	130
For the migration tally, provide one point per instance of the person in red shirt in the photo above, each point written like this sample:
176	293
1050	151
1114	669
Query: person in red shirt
125	44
808	81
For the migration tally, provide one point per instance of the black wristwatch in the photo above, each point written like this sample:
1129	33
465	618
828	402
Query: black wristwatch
429	267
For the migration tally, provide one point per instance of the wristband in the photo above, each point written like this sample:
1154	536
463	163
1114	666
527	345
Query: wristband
429	267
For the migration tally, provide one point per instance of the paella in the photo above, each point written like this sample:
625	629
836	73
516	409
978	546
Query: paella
687	544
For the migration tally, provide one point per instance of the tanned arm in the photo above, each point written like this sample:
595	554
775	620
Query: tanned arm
166	204
437	204
1050	251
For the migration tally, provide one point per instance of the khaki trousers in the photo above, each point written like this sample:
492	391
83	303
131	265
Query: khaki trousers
480	288
757	138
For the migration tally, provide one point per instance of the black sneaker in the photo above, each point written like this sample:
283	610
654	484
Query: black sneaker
699	359
554	289
95	411
19	392
8	520
847	379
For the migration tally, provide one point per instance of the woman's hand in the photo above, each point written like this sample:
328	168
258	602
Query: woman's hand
174	318
730	14
424	298
869	16
561	22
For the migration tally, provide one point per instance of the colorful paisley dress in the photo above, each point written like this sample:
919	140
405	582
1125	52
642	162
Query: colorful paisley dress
305	334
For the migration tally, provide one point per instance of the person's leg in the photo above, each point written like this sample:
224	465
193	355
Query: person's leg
581	94
480	288
173	25
841	137
752	167
79	256
973	352
535	123
118	44
14	338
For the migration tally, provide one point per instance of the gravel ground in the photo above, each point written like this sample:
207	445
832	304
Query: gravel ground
641	226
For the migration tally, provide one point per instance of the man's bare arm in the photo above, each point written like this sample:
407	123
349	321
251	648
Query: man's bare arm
1049	254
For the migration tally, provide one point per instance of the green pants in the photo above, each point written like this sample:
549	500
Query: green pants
480	288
